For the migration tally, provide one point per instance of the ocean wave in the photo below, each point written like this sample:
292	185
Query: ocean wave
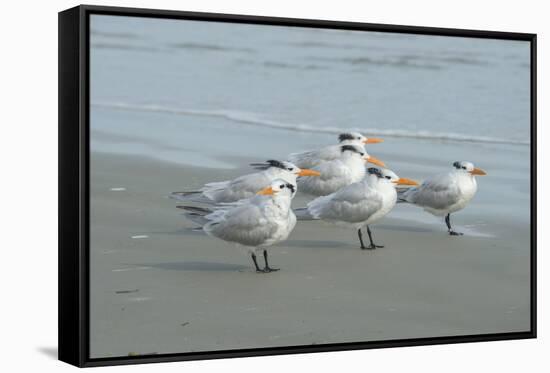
282	65
209	47
253	119
167	47
399	61
125	47
118	35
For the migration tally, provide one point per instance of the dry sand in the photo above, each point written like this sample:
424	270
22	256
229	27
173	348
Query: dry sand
170	289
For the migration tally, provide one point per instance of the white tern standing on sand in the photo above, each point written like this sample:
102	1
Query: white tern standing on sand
256	223
443	194
359	204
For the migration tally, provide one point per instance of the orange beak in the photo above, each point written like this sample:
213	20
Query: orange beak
405	181
306	172
375	161
478	171
372	140
267	191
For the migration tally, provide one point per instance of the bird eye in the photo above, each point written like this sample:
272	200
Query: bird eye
388	177
362	154
290	169
463	167
282	186
358	138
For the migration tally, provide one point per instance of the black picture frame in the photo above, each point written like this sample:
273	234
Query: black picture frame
74	183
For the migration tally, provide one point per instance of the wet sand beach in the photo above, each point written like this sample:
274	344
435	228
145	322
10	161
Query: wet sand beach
159	287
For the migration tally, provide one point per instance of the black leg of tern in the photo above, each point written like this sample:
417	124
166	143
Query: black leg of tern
372	246
360	234
448	222
267	268
258	269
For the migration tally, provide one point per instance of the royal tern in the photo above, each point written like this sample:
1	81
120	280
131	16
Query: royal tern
245	186
255	223
312	158
337	173
443	194
359	204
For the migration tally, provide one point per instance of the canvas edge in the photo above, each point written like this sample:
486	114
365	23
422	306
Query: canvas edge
306	22
69	324
533	181
73	189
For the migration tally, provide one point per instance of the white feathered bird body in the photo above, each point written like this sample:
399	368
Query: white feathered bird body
335	174
313	158
245	186
256	223
242	187
443	194
356	205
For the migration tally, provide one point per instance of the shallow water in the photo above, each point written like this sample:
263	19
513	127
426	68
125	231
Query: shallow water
311	80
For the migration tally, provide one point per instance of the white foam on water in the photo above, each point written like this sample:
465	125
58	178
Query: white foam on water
140	236
254	119
118	189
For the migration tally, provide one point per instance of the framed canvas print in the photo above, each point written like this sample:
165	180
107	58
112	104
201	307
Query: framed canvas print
237	186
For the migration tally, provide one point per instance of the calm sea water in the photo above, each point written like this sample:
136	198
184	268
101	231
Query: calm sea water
172	88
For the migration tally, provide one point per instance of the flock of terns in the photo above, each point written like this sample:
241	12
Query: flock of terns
255	210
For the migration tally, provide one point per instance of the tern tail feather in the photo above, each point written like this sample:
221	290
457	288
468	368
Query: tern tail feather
303	214
402	195
196	214
191	196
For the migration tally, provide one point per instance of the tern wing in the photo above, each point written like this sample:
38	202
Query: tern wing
191	196
437	192
334	175
354	203
312	158
245	224
245	186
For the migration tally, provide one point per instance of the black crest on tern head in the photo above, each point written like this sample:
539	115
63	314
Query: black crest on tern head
375	171
345	136
351	148
268	164
291	187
